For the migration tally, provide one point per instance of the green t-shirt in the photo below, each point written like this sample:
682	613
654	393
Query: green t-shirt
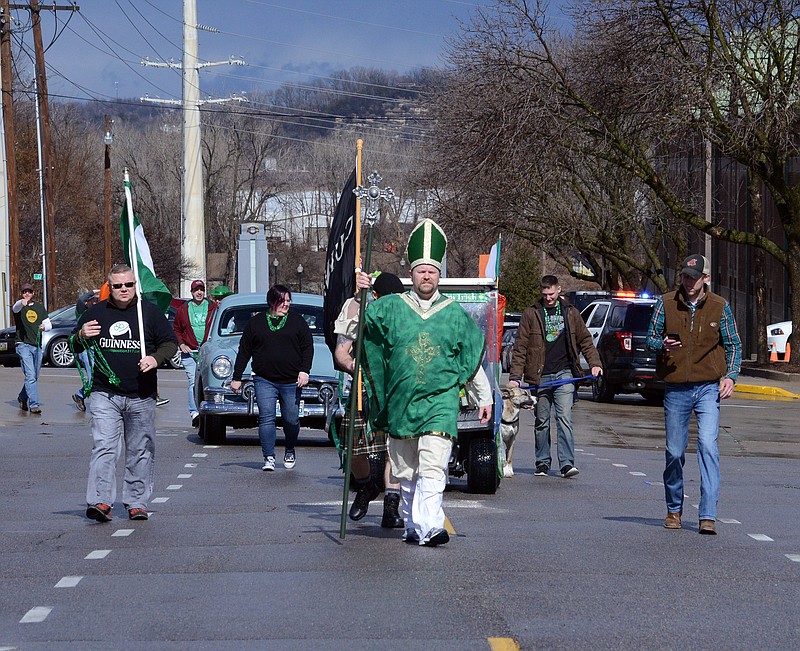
197	319
28	320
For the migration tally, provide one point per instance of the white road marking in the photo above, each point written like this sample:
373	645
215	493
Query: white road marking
619	465
174	487
637	474
190	465
793	557
68	582
578	449
761	537
184	476
729	520
589	454
119	533
97	553
599	459
731	404
199	455
159	500
35	615
211	447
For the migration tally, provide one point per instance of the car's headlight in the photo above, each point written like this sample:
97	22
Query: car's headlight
221	367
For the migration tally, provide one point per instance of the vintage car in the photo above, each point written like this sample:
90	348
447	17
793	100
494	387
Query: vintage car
220	407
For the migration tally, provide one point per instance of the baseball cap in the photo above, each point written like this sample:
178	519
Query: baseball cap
696	266
198	284
27	286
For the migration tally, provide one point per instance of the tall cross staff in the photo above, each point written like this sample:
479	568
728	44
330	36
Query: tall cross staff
373	196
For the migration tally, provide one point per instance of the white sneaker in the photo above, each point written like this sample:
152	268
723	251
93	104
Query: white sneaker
269	464
289	460
195	416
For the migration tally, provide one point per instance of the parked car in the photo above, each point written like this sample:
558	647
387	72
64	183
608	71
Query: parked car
507	347
220	407
619	328
55	342
777	336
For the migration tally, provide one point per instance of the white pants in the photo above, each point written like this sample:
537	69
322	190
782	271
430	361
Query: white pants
420	466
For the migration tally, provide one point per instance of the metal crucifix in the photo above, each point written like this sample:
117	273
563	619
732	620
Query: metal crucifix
373	195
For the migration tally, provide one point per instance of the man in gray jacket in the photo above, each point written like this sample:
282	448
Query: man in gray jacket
551	337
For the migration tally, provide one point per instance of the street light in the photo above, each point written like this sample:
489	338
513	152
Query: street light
300	277
108	138
275	264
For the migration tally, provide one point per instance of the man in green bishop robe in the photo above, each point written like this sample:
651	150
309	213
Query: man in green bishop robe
420	349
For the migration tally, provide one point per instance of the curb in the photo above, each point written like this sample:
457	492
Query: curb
764	391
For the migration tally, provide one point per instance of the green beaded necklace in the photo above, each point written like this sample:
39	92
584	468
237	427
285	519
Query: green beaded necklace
550	326
279	324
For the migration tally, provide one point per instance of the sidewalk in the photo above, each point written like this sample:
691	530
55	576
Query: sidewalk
768	382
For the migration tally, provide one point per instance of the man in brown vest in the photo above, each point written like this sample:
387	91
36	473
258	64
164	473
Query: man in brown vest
700	354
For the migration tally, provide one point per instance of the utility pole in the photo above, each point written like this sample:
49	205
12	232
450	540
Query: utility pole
51	281
193	225
11	286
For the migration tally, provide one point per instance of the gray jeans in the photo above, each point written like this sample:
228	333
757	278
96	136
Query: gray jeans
118	420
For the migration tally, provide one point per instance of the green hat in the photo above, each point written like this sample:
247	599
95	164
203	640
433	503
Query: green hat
221	291
427	244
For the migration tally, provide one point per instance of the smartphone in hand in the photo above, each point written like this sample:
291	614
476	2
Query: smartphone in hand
674	336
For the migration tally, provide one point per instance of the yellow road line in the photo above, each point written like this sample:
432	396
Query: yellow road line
502	644
449	526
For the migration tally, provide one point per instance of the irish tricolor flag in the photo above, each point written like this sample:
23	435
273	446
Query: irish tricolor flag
152	289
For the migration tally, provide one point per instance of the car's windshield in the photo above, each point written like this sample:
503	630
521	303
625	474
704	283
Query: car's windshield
632	317
234	319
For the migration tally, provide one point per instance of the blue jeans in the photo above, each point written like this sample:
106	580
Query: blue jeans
267	395
30	358
679	402
190	366
86	360
562	398
118	420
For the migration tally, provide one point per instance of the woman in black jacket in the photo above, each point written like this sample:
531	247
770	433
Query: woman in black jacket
282	349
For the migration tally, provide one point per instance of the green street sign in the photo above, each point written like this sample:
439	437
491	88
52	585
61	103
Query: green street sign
37	276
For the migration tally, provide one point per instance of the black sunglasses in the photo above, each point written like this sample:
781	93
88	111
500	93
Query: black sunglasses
121	285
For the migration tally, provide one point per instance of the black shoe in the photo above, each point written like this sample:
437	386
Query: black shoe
541	469
100	512
22	405
569	471
436	536
391	512
79	402
366	493
410	537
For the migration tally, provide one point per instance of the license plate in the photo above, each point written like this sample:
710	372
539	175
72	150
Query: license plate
278	408
3	345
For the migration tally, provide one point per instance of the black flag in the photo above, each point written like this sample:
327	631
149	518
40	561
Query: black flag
340	259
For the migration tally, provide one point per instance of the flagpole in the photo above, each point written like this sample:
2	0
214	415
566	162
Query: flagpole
355	385
134	258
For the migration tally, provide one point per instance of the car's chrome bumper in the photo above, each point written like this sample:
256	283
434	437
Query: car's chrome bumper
315	402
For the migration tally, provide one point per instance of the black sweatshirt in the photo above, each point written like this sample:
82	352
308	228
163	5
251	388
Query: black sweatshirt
119	344
277	356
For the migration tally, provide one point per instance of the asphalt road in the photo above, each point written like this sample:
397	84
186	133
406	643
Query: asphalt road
235	558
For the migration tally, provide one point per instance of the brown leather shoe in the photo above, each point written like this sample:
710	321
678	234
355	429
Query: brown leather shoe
708	527
673	520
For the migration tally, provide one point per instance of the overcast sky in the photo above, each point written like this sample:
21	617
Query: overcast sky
97	52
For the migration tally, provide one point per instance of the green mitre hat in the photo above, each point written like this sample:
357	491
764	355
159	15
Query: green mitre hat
427	244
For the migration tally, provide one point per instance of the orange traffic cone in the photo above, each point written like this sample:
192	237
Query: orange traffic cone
773	353
788	352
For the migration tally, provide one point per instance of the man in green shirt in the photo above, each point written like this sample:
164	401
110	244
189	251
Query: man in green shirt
421	348
31	319
192	325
